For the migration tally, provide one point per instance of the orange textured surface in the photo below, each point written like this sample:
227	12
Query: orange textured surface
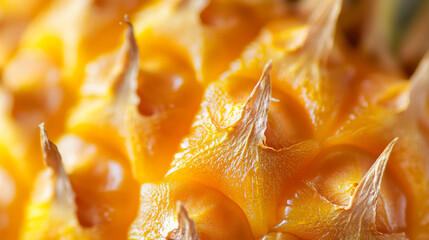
205	119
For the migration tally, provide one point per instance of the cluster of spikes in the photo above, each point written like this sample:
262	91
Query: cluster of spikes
356	220
61	203
274	151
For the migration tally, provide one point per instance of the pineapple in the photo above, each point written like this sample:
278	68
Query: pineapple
50	213
208	119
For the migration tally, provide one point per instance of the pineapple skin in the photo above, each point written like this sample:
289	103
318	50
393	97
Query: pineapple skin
209	119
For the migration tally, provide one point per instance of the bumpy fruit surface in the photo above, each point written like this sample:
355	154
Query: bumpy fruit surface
209	119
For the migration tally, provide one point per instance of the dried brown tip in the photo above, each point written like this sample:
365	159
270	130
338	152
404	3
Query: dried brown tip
51	156
126	19
260	97
262	91
255	111
63	190
125	84
186	229
129	32
130	44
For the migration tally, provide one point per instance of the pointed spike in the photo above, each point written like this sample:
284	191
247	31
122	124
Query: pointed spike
322	28
186	229
261	94
358	218
126	19
366	193
130	39
255	110
126	83
52	157
420	85
185	222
